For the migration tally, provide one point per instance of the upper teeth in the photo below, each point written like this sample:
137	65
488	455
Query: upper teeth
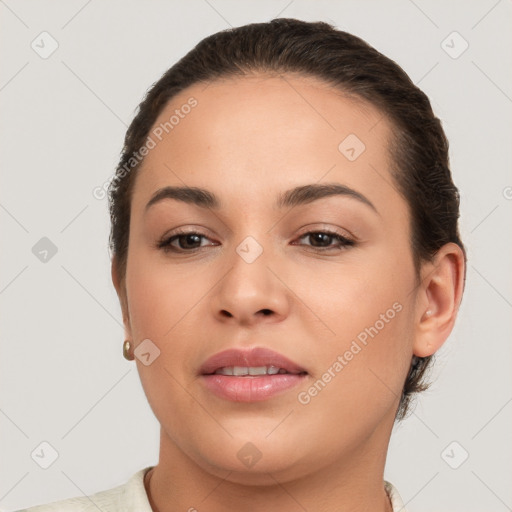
250	370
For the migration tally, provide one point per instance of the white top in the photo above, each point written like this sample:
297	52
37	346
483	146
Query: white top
131	497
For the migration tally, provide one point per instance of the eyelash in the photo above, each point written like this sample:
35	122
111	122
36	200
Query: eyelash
343	242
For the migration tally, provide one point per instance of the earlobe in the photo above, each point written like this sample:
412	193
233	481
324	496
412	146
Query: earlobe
439	301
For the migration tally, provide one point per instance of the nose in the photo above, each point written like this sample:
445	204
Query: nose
251	292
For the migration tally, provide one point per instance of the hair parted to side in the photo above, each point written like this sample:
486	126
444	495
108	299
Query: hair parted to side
419	148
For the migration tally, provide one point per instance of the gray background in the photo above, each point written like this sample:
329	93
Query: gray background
63	379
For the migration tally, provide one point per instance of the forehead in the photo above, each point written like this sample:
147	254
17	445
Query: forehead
251	134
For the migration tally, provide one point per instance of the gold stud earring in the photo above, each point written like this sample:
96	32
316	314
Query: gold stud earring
126	350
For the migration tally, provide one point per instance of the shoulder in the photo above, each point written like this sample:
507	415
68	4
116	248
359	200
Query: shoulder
127	497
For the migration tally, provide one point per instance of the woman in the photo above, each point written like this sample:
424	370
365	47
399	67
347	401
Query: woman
287	258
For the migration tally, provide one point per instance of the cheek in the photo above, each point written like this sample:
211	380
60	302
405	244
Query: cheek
159	295
164	301
158	298
365	352
360	375
350	294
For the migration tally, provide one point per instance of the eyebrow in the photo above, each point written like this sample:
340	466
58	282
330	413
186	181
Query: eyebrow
300	195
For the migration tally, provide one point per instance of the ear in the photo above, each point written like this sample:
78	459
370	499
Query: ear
120	286
440	293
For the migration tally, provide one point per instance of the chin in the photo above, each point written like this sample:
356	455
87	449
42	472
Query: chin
255	460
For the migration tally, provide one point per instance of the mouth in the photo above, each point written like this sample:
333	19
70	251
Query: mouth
253	362
253	371
250	375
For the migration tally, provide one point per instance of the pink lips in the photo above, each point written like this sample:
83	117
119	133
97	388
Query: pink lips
250	388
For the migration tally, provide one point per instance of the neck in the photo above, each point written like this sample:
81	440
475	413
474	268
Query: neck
353	484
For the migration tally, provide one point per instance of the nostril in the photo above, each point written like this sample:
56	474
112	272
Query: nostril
266	312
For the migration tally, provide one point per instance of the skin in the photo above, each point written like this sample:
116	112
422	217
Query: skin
248	140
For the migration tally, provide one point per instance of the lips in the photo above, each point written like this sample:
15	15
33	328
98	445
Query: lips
250	375
254	358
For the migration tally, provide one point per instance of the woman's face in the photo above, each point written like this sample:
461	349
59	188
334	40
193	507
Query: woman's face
259	273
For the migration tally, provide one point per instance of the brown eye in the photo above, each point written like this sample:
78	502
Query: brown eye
322	240
182	242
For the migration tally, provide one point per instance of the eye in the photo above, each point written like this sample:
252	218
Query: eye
322	240
182	241
190	241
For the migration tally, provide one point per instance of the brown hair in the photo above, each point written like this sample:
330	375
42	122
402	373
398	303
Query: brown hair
419	147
